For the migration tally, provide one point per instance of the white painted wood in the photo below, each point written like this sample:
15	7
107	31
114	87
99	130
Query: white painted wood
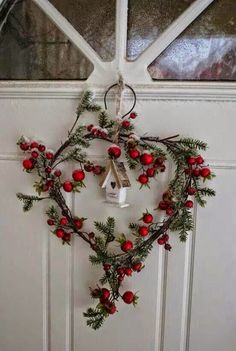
205	91
173	290
121	34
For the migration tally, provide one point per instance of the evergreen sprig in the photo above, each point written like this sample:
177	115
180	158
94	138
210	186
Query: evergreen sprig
28	200
95	317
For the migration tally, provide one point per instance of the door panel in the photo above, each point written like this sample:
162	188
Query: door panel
185	295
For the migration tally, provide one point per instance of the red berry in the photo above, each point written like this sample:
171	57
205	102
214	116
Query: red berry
191	160
111	308
134	153
128	297
41	148
143	231
151	172
191	190
143	179
120	270
78	175
199	160
167	247
205	172
163	205
105	293
67	237
50	183
34	154
169	211
161	241
50	221
63	221
24	146
49	155
57	173
196	172
127	245
133	115
137	266
189	204
78	223
60	233
68	186
28	164
88	168
148	218
128	271
146	159
97	170
165	237
106	267
125	124
45	187
34	145
89	127
114	151
48	170
159	161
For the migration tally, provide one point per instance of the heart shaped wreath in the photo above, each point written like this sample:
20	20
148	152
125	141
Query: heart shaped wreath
145	153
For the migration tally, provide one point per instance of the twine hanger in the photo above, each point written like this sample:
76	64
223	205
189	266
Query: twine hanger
119	100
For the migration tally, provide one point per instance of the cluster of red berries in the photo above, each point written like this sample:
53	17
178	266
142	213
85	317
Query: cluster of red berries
34	149
196	167
97	131
64	227
104	296
127	245
78	176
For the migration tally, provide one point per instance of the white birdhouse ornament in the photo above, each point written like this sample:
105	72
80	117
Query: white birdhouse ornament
116	182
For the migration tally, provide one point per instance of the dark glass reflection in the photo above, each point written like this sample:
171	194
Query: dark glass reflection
94	20
147	19
32	48
206	50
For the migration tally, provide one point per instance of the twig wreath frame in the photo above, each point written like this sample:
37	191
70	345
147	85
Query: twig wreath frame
147	154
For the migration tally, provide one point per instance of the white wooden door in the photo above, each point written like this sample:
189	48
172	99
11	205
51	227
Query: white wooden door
187	297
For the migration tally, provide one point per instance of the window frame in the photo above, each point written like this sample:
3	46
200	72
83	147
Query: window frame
134	72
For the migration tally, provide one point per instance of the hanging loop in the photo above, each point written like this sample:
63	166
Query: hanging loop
127	86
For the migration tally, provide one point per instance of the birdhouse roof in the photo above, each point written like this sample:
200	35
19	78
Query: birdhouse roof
118	170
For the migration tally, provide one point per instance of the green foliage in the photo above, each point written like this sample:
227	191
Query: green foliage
86	104
183	223
192	143
74	154
53	214
107	229
28	200
77	137
96	317
104	120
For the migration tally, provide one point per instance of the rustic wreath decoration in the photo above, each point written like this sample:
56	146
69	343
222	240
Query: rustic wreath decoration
145	154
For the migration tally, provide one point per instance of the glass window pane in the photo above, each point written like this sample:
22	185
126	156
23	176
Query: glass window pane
32	48
206	50
147	19
94	20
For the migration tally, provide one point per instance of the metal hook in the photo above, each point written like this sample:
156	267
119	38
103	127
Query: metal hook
127	86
